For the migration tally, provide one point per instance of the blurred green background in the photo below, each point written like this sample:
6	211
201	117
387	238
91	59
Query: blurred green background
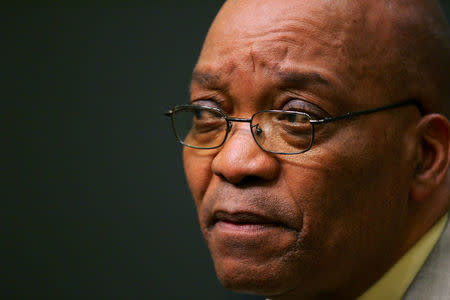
95	202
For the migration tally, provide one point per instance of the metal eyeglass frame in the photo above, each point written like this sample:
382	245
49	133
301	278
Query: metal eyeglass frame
313	122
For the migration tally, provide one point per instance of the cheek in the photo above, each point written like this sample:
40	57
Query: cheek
344	192
344	179
197	167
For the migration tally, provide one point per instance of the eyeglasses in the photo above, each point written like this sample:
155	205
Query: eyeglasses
275	131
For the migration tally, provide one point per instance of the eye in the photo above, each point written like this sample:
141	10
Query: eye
293	119
198	113
306	107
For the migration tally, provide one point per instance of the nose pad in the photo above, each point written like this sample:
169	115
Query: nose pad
258	130
229	126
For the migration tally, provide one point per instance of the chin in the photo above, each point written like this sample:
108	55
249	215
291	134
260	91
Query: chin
256	259
246	275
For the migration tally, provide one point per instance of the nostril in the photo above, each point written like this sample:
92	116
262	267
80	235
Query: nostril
242	180
250	180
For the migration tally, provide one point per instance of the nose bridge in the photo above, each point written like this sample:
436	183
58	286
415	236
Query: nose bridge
241	157
239	127
241	120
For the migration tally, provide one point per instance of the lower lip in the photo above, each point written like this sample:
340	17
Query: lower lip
244	229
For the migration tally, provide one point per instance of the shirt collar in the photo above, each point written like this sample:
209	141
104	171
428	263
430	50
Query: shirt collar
396	281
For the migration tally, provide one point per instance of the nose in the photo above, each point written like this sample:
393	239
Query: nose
241	161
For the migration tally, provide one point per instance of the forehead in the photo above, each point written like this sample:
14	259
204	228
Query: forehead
269	37
247	18
266	29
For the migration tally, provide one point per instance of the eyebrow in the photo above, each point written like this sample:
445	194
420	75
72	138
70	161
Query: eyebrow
300	79
208	80
285	78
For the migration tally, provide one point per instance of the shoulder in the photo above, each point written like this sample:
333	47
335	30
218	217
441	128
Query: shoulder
433	280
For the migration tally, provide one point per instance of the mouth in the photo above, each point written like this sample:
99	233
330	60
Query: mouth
244	234
244	222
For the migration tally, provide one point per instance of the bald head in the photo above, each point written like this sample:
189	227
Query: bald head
422	39
403	46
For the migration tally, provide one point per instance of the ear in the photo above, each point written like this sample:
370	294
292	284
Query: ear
433	156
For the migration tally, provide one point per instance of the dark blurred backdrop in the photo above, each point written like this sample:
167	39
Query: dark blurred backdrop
95	204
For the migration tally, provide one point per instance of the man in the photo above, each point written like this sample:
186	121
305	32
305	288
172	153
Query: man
317	148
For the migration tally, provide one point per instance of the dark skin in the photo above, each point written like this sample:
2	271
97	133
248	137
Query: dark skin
329	222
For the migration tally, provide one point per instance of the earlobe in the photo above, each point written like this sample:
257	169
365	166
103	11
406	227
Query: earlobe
433	156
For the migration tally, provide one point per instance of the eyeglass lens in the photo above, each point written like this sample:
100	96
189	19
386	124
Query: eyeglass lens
274	131
199	127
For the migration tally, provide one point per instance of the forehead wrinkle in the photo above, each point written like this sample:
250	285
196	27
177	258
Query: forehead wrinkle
285	74
270	47
240	27
286	77
289	31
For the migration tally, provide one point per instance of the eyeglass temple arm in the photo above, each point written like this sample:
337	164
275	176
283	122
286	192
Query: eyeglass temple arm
373	110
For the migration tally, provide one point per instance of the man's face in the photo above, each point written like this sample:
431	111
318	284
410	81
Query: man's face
325	222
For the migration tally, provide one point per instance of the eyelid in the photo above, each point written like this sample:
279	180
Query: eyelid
207	102
297	104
